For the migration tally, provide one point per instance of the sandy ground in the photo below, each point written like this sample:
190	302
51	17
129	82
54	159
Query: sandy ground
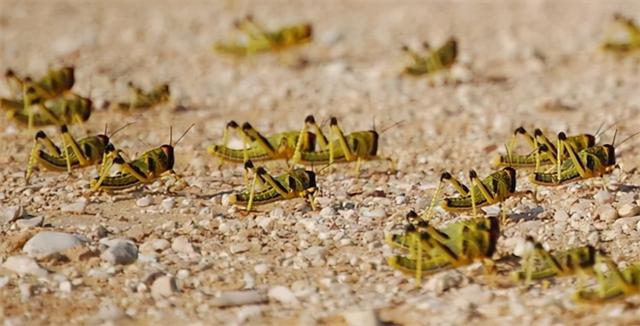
519	60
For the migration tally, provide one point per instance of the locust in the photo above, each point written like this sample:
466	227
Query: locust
38	112
612	284
257	147
74	154
632	43
265	188
53	84
355	147
143	100
535	158
540	264
433	60
146	168
260	40
433	250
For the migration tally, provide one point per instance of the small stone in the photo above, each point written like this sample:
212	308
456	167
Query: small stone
444	281
144	201
603	197
31	222
607	213
120	252
361	318
109	312
261	268
327	212
226	200
78	207
154	245
163	286
4	280
65	286
46	243
561	215
629	210
24	265
373	213
26	290
168	203
282	294
237	248
522	248
10	214
182	244
239	298
183	274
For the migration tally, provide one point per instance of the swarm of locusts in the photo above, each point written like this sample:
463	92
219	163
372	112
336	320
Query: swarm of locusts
427	249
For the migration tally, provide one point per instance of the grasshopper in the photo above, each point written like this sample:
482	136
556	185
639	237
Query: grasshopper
591	162
145	169
74	153
535	158
63	110
540	264
432	61
257	147
142	100
261	40
53	84
633	36
297	183
612	285
432	250
340	148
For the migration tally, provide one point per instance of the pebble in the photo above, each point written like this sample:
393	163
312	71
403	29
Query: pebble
168	203
628	210
163	286
607	213
120	252
444	281
109	312
237	248
261	268
24	265
46	243
78	207
4	280
361	318
282	294
181	244
154	245
183	274
10	214
26	291
239	298
31	222
603	197
373	213
65	286
144	201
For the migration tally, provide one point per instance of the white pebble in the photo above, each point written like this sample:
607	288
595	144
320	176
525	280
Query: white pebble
282	294
144	201
120	252
78	207
261	268
603	197
183	274
239	298
168	203
163	286
28	223
10	214
607	213
24	265
46	243
65	286
237	248
628	210
361	318
373	213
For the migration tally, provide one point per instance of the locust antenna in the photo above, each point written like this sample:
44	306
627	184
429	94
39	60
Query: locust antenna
628	138
613	142
183	134
119	129
170	135
395	124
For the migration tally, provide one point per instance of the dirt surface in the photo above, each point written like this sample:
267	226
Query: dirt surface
530	63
